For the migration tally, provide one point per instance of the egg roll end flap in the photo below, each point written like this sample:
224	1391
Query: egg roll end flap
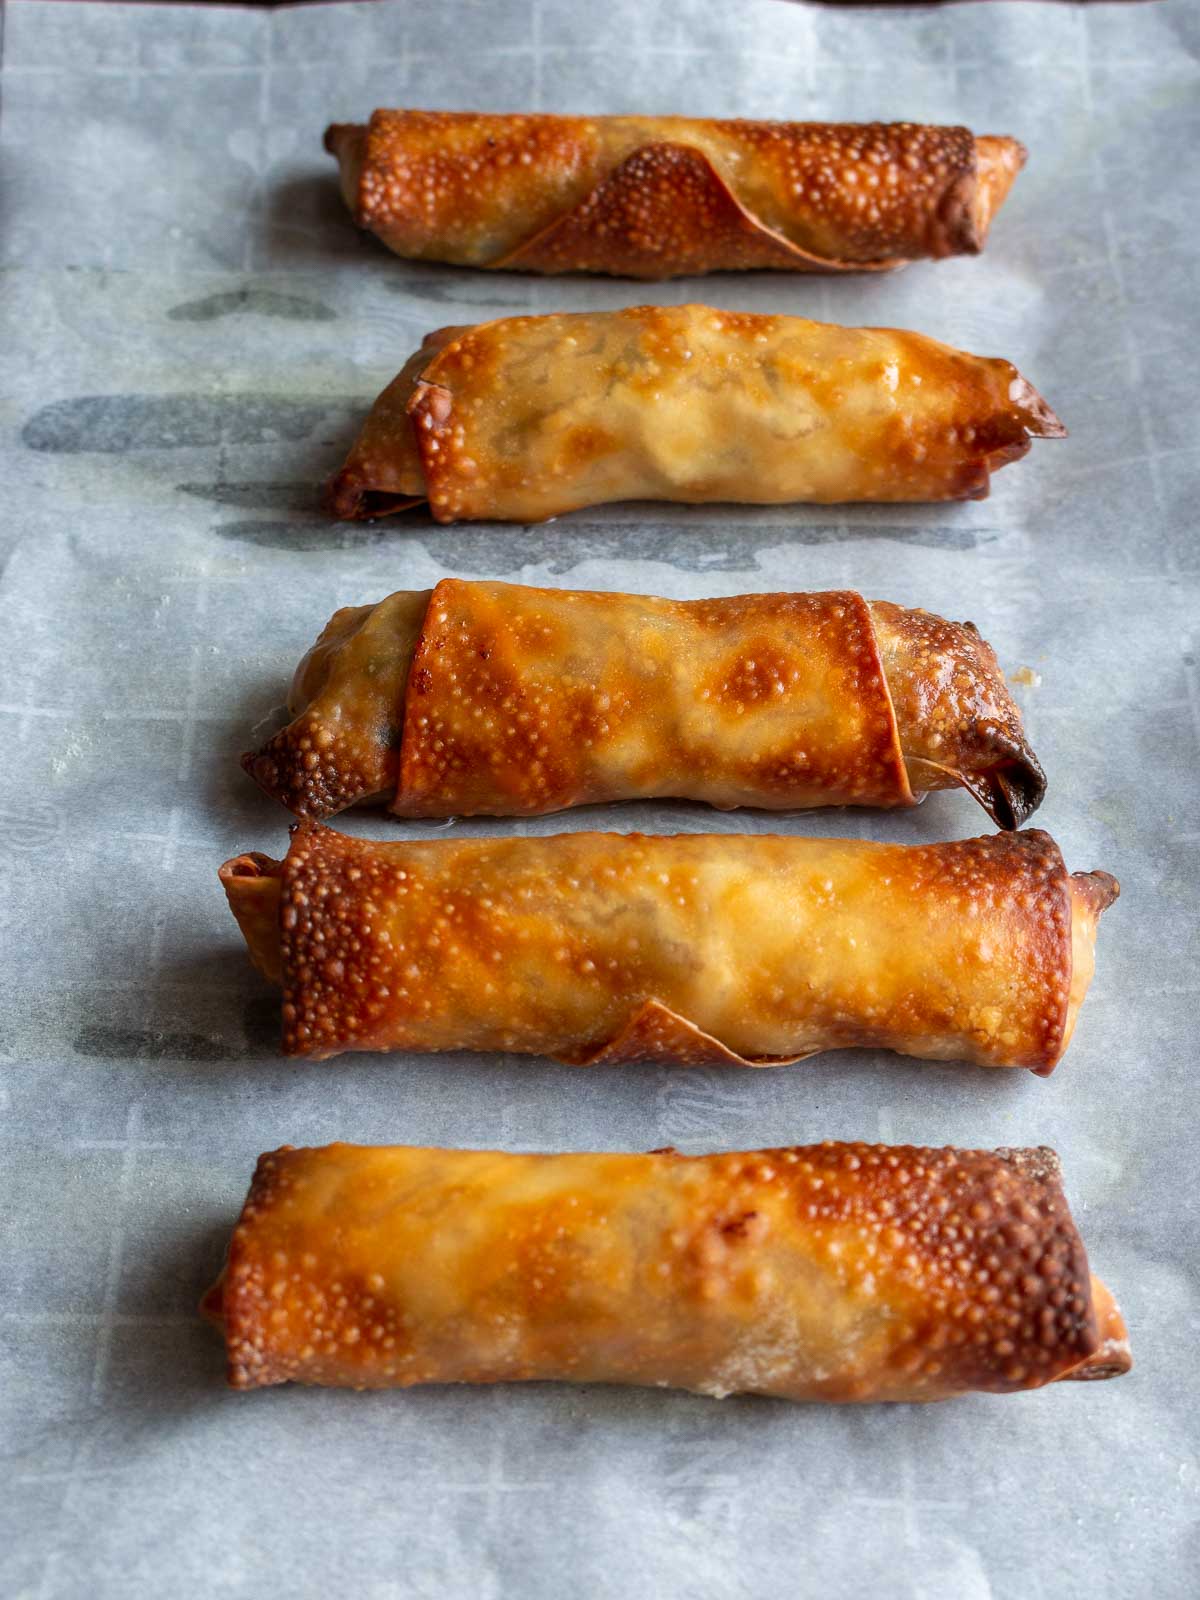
1019	416
959	725
1091	895
383	474
1037	416
1066	908
998	160
965	211
1050	916
347	143
212	1303
317	768
253	885
1022	415
322	761
342	746
655	1033
1103	1338
1112	1357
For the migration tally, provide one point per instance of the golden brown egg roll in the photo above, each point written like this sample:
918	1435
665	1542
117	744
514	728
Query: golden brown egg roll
698	948
490	698
656	197
840	1272
523	418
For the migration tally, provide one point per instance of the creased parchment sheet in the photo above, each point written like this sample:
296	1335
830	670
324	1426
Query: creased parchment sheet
191	331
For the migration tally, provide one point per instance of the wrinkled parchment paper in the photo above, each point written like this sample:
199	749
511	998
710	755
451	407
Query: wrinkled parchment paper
192	329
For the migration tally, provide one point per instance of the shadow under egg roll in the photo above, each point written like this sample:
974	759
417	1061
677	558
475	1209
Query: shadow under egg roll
698	948
527	417
495	699
657	197
831	1272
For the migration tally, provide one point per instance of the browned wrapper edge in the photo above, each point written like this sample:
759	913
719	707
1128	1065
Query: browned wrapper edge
656	1033
1009	792
622	187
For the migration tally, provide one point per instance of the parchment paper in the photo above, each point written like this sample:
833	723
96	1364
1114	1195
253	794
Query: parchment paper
192	330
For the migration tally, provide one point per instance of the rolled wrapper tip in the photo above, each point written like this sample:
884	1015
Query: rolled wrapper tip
1112	1357
348	497
999	160
338	133
1097	890
1041	422
212	1304
1012	793
252	886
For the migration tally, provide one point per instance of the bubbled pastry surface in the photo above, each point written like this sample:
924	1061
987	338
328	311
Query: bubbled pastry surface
511	701
656	197
844	1272
774	946
530	416
525	700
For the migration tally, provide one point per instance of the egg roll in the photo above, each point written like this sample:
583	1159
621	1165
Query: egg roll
491	698
835	1272
657	197
526	417
747	950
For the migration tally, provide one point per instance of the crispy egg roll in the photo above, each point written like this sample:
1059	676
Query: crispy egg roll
698	948
490	698
838	1272
657	197
521	419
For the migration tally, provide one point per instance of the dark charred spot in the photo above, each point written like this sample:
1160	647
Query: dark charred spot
740	1226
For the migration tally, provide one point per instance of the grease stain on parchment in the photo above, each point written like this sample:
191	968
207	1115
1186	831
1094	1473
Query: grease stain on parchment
439	291
149	1044
254	496
301	537
251	302
260	1024
556	546
113	423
